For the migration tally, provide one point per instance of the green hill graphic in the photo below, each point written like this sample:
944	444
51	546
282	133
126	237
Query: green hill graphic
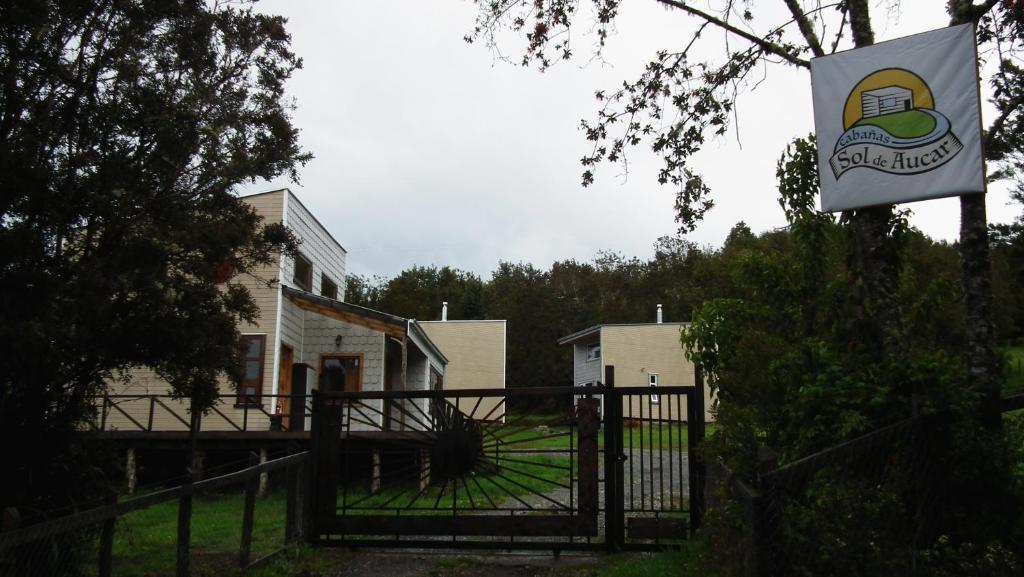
909	124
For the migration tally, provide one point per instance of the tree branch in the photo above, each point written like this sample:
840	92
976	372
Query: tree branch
860	23
761	42
997	125
805	27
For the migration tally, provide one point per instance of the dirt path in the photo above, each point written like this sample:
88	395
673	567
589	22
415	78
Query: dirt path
427	564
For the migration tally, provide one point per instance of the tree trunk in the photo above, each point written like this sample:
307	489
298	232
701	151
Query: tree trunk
878	255
976	273
976	269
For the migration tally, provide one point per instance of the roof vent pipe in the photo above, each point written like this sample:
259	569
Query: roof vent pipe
659	313
444	311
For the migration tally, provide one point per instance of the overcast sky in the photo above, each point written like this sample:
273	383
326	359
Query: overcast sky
430	151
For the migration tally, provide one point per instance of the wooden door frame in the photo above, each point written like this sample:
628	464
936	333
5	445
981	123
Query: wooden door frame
284	374
340	355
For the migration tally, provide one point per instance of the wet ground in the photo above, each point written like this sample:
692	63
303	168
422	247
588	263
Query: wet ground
406	563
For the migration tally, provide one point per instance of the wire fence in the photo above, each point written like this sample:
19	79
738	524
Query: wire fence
210	526
830	509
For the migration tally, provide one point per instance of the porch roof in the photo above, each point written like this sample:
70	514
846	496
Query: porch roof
391	325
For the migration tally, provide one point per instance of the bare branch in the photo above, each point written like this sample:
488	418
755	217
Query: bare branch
998	124
764	44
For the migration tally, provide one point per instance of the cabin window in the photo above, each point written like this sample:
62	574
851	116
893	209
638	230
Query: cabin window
250	391
593	352
328	288
653	380
303	277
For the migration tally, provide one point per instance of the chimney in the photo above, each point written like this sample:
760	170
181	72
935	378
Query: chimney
444	311
659	313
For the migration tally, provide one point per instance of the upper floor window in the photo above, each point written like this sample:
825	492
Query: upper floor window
593	352
328	288
303	277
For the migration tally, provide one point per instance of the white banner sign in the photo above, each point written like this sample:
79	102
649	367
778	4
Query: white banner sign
899	121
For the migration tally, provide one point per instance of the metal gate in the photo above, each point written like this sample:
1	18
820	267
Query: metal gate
513	469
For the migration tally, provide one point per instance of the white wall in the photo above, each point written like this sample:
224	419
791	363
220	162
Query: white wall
317	245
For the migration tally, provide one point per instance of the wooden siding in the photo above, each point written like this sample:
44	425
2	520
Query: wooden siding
319	336
144	381
636	351
317	246
585	371
476	357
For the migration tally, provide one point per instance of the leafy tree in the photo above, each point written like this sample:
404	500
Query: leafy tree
363	291
418	292
124	128
798	367
679	101
521	294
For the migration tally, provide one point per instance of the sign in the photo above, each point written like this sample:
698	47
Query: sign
899	121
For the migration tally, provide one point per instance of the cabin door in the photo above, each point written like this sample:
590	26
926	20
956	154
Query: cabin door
284	387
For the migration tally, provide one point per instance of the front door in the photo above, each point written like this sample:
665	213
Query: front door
284	387
341	373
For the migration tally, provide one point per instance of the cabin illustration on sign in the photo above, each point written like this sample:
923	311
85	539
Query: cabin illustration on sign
886	100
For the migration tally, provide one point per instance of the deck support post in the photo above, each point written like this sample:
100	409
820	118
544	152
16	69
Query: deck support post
130	471
264	476
375	474
424	468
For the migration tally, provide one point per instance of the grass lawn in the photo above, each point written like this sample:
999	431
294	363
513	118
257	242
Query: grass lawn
519	437
1014	370
524	476
145	541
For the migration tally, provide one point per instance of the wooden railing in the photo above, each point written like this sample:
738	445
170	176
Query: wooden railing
297	516
150	413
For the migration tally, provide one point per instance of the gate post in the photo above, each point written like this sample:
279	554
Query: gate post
613	458
315	469
695	439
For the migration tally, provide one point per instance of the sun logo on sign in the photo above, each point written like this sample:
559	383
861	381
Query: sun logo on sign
891	125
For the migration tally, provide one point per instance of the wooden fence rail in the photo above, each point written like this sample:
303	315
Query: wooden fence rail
297	514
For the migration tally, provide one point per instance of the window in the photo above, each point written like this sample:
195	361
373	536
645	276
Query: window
653	379
328	288
250	392
436	380
594	352
303	277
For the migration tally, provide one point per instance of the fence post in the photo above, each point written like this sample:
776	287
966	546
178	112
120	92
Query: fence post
251	487
314	469
107	541
613	506
764	518
296	514
698	471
